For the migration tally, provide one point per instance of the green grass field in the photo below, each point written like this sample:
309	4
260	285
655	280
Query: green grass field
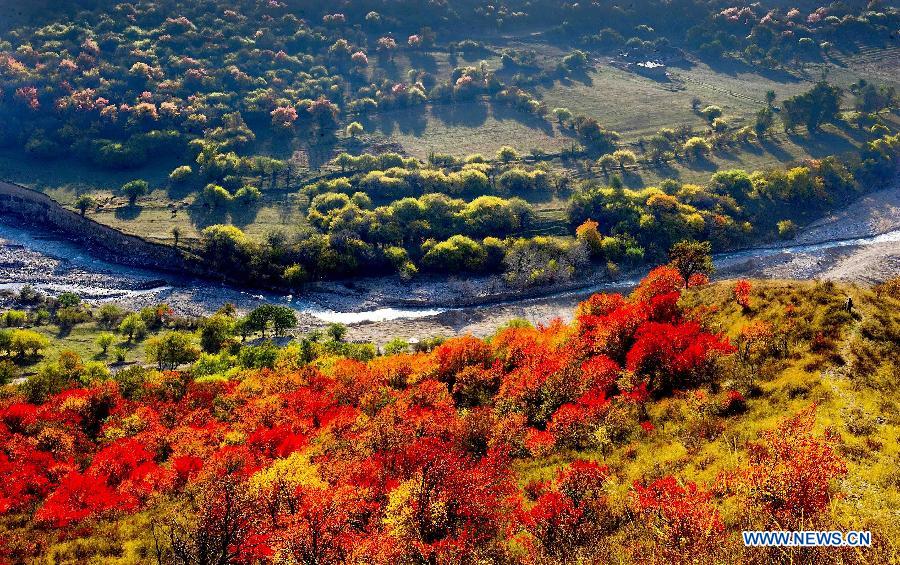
81	339
467	128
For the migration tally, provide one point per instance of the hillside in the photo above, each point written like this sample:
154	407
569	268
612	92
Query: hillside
449	282
282	143
647	430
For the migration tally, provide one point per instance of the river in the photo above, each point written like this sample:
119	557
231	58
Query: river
860	243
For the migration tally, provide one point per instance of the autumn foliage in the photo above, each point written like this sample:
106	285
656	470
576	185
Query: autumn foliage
792	470
742	289
680	516
405	458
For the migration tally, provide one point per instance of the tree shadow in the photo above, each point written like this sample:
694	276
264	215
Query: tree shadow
244	215
726	66
203	216
383	122
468	114
665	169
775	150
582	76
423	61
682	64
734	67
824	143
858	135
500	112
700	164
320	150
727	154
389	67
413	122
129	212
179	191
632	179
410	121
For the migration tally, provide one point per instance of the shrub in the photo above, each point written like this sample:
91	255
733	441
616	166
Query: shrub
791	473
27	342
741	291
171	349
711	113
696	148
14	318
683	521
104	340
181	174
786	229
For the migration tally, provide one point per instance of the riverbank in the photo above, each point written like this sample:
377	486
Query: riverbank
860	243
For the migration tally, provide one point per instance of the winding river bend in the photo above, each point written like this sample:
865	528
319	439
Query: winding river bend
861	243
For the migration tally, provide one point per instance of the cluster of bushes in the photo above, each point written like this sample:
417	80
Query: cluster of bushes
735	207
353	236
91	89
775	36
389	176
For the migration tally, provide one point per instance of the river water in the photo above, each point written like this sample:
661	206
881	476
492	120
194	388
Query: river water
51	264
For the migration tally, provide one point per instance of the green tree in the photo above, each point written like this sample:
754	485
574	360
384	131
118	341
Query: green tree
283	319
354	129
507	154
711	113
181	174
14	318
109	316
8	372
215	331
27	342
764	119
278	318
459	253
691	257
294	276
135	189
624	157
104	340
171	349
53	378
68	300
131	380
696	148
562	114
84	203
607	162
821	104
336	332
6	342
395	346
133	326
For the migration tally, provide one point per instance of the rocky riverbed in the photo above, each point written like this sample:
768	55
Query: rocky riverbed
859	243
